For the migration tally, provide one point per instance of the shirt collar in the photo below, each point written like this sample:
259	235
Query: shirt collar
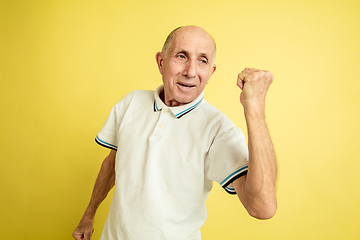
177	111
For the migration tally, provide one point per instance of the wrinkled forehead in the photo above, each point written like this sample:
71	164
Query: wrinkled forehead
194	40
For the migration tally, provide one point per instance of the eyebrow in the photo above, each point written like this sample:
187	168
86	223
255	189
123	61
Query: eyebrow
204	55
187	53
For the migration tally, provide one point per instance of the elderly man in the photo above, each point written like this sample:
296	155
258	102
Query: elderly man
168	146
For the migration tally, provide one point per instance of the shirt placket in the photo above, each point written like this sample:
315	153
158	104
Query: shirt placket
161	123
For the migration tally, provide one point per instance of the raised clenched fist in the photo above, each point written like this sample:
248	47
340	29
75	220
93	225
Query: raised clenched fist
254	84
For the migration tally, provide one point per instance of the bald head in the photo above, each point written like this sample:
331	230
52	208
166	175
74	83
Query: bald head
181	29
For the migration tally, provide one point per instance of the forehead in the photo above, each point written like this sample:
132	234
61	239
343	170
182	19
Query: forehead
193	40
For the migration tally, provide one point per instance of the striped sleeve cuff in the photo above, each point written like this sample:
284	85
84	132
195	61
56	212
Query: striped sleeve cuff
226	183
105	144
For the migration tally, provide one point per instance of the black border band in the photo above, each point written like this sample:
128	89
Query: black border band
103	145
233	179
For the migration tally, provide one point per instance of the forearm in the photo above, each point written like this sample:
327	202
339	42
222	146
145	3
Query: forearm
104	183
258	188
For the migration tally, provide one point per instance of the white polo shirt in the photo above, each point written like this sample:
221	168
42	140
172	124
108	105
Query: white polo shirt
166	161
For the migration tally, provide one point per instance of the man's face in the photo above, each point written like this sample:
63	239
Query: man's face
186	66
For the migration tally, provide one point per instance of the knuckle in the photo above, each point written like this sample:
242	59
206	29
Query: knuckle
268	73
254	75
269	76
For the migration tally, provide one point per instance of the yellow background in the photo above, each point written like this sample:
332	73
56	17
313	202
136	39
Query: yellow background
64	64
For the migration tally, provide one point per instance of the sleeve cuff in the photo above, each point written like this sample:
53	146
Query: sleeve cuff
105	144
226	183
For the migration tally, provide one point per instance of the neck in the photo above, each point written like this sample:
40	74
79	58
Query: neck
169	103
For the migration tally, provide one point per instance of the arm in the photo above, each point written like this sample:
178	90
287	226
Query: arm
104	183
256	190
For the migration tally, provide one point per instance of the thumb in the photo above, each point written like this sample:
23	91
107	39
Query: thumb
240	82
87	236
78	236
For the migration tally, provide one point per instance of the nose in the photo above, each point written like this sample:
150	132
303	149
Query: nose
190	69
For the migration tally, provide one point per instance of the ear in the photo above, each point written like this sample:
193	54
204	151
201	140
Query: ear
160	61
213	68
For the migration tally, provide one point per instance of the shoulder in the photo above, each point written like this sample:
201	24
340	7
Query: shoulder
136	97
210	108
219	123
214	114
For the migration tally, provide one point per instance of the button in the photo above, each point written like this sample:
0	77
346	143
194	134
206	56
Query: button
166	110
161	125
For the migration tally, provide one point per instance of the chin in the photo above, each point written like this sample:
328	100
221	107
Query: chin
184	99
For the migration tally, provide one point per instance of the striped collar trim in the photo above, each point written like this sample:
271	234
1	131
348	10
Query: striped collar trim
177	111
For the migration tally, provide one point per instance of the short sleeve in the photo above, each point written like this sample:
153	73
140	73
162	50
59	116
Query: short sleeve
107	135
228	157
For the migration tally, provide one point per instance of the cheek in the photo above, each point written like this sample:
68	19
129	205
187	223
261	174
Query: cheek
205	77
176	66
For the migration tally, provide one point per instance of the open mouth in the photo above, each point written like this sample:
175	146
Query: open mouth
186	85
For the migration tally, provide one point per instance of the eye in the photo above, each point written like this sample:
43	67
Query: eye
181	56
204	60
